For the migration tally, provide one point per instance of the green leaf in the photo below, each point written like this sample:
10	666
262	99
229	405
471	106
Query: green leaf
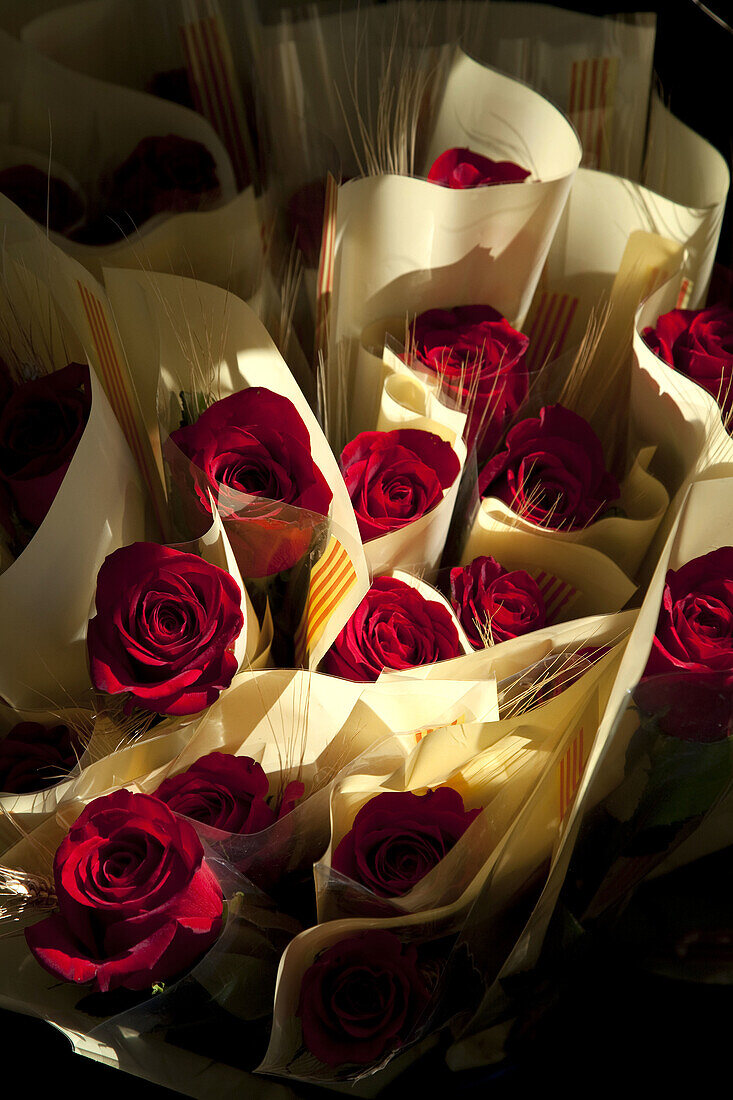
685	780
192	405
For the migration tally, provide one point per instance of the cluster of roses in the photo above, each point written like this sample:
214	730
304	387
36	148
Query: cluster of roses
137	901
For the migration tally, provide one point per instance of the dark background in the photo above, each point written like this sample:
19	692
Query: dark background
610	1018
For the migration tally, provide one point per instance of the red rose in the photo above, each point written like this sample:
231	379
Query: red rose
255	443
686	706
161	174
494	602
480	361
33	757
695	626
394	627
40	428
39	195
699	344
137	903
397	838
165	628
552	471
224	791
361	999
395	477
460	168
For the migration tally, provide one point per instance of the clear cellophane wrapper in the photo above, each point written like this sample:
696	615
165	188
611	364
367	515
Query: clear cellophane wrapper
310	729
517	854
190	1024
236	353
691	535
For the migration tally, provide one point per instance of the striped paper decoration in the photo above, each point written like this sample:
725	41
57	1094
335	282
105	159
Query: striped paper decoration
590	107
124	404
332	578
324	286
570	772
556	594
214	84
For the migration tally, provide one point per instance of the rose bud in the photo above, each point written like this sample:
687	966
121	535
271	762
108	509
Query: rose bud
496	603
162	174
361	999
256	443
223	791
480	361
33	757
137	903
393	628
552	471
165	629
42	197
40	428
395	477
699	344
695	626
398	837
461	168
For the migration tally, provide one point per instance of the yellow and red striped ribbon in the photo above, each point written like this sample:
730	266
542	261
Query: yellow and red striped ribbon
556	594
324	286
590	104
332	578
214	85
571	772
122	399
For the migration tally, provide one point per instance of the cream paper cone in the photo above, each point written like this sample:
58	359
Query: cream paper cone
221	246
681	417
204	332
98	508
622	539
485	244
681	198
123	43
598	70
54	308
94	125
693	534
506	869
575	580
407	402
303	723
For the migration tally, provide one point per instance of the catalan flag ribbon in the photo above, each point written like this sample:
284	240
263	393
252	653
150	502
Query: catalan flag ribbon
570	772
332	578
214	84
556	593
109	359
324	286
590	107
